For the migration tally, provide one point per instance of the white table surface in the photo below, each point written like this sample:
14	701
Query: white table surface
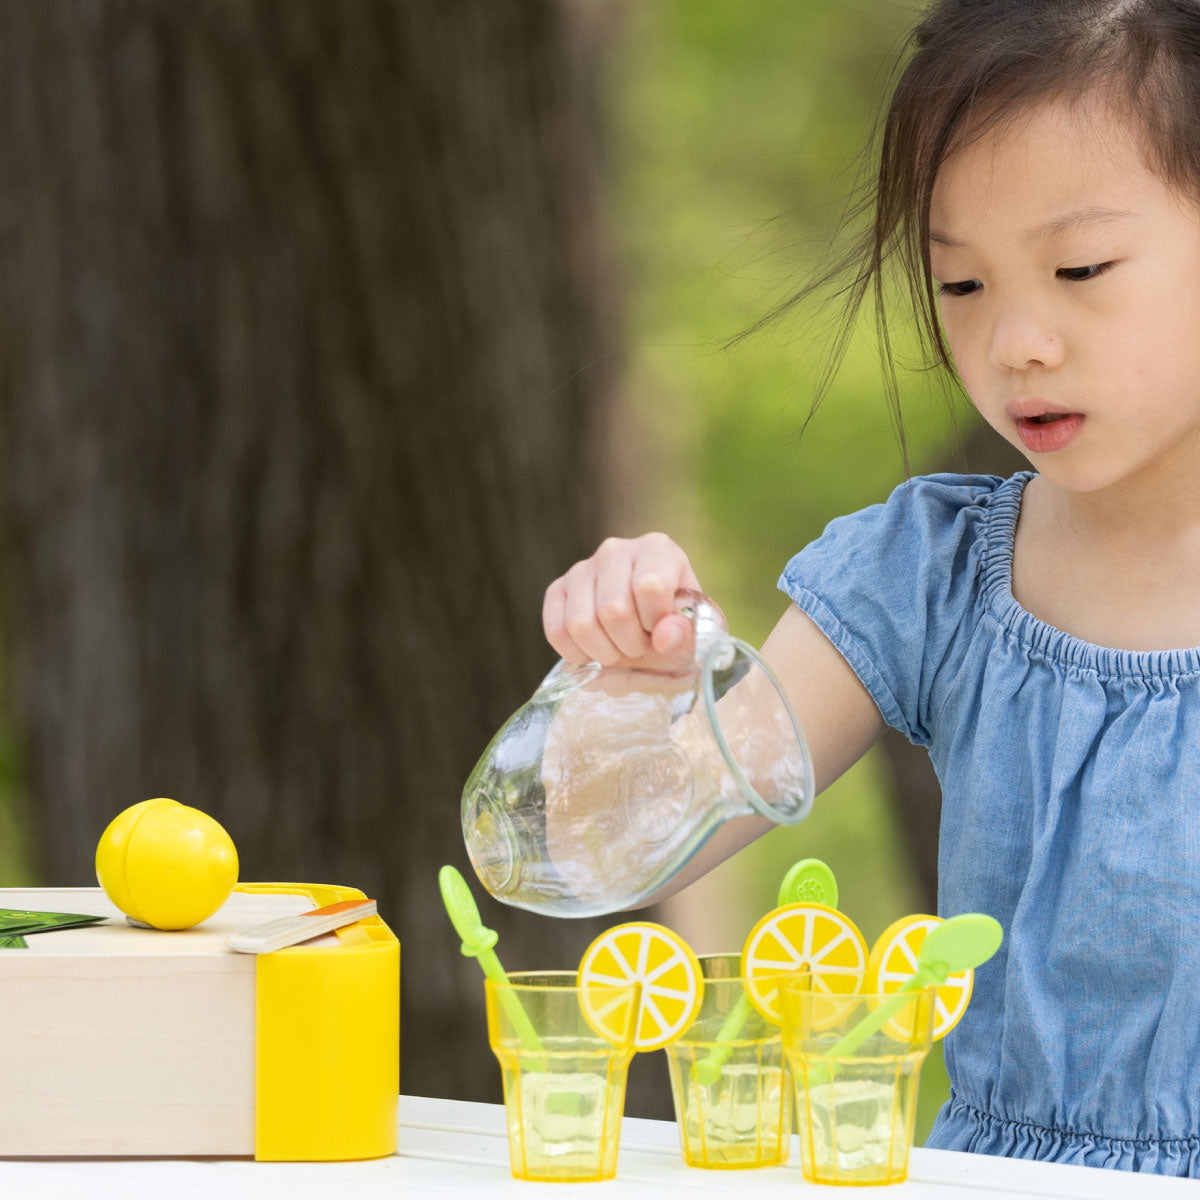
453	1148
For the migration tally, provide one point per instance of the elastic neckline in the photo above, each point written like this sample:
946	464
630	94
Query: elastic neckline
1043	639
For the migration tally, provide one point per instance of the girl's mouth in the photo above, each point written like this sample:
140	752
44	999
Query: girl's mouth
1048	432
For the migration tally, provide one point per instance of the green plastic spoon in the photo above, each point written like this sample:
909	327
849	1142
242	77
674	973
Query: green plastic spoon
477	943
811	881
808	880
959	944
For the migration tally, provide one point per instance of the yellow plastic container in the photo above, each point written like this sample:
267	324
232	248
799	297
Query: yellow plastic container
855	1113
327	1044
743	1117
564	1082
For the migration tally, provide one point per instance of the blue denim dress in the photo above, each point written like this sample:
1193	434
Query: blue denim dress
1070	778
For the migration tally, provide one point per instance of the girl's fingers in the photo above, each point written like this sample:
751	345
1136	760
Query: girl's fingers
672	637
616	611
659	571
617	607
580	620
554	623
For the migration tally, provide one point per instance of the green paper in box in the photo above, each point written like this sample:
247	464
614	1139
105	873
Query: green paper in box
17	923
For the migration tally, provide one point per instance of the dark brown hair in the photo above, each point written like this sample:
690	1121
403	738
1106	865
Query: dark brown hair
970	64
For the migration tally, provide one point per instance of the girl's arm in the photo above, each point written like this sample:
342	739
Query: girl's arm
837	714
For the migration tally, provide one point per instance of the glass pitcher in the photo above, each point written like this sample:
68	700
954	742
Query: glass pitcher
600	788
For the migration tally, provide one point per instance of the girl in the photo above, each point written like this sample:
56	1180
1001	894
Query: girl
1039	183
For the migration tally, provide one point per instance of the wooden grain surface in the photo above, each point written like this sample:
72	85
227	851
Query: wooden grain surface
124	1041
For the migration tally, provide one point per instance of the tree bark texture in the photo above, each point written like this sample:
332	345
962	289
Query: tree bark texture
297	300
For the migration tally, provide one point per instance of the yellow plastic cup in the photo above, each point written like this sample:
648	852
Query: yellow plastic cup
563	1094
743	1116
854	1113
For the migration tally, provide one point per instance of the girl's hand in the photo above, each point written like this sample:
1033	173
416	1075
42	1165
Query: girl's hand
616	608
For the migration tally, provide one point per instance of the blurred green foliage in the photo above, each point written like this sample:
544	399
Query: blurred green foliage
738	140
15	851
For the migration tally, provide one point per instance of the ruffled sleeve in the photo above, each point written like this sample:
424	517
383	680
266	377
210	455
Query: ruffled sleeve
894	588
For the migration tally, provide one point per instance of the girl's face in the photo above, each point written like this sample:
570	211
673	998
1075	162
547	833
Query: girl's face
1069	278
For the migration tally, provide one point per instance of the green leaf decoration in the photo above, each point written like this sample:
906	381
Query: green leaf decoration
18	922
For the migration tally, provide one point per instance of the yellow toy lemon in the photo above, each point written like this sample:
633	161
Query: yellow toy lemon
165	864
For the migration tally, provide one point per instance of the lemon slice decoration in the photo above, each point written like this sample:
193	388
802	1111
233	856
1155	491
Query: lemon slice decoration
893	961
662	962
796	936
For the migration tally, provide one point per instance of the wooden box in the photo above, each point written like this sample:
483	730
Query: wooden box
136	1042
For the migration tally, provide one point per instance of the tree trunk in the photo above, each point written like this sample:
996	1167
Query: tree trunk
297	301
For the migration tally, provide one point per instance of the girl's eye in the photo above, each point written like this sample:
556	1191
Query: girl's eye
1073	274
963	288
1082	274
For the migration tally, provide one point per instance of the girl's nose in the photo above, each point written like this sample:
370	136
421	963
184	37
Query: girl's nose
1020	341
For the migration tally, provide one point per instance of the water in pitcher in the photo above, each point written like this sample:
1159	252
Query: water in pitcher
599	789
